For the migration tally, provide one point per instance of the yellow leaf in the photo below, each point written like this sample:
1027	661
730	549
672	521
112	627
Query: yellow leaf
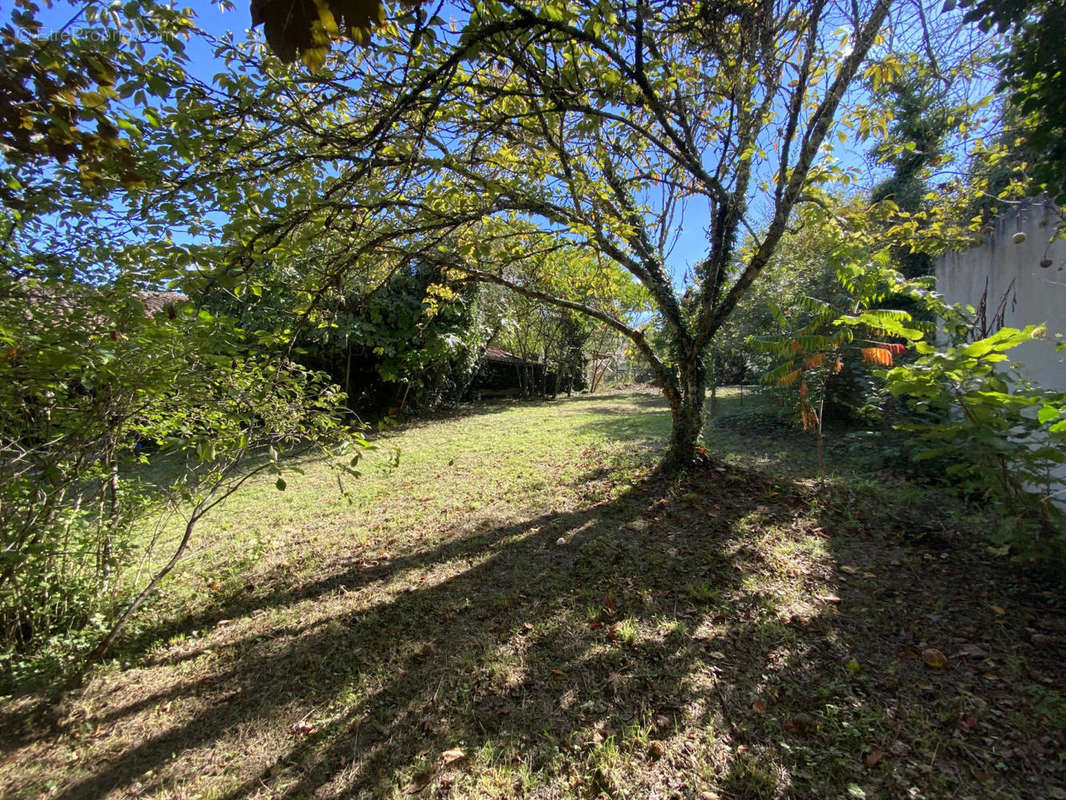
934	658
314	57
93	100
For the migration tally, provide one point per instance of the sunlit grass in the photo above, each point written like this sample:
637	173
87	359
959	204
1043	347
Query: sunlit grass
521	608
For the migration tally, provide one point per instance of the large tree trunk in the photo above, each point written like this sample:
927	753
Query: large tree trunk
687	406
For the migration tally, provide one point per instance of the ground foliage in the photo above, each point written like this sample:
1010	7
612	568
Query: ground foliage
95	390
493	620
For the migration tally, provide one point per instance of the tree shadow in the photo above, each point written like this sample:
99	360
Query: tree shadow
715	630
549	592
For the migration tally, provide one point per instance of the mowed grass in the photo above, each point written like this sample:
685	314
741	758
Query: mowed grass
522	607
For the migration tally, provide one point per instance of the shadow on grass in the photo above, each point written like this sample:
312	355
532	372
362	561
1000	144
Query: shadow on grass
768	641
431	649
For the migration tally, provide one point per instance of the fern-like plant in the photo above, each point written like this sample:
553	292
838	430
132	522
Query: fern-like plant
821	336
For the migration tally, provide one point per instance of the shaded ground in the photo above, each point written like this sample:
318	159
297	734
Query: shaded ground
523	610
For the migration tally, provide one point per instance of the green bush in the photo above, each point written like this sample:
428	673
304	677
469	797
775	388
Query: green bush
997	437
92	389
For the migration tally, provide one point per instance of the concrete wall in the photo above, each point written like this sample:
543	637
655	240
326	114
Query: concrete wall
1027	279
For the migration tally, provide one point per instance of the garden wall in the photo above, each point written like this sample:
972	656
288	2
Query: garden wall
1018	280
1017	283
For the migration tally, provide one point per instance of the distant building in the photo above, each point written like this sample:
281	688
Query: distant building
503	374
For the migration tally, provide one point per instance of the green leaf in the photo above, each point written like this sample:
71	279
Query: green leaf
1047	413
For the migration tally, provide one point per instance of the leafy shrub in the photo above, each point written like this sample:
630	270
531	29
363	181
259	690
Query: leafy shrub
998	437
92	388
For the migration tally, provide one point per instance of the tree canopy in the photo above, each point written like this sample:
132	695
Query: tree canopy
600	124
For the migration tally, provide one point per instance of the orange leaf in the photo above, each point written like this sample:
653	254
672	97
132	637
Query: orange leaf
815	361
420	781
877	355
790	378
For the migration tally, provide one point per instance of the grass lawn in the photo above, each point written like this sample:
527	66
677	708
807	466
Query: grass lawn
521	607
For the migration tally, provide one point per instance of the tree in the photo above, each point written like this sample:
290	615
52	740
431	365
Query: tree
307	28
66	93
1033	70
596	124
537	330
411	340
921	120
94	385
822	337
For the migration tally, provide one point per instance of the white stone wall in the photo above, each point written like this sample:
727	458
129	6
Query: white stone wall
1023	263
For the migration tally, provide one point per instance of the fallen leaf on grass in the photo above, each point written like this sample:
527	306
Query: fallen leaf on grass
968	723
302	729
801	723
999	611
934	658
970	651
829	598
451	756
875	757
759	706
420	781
850	570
